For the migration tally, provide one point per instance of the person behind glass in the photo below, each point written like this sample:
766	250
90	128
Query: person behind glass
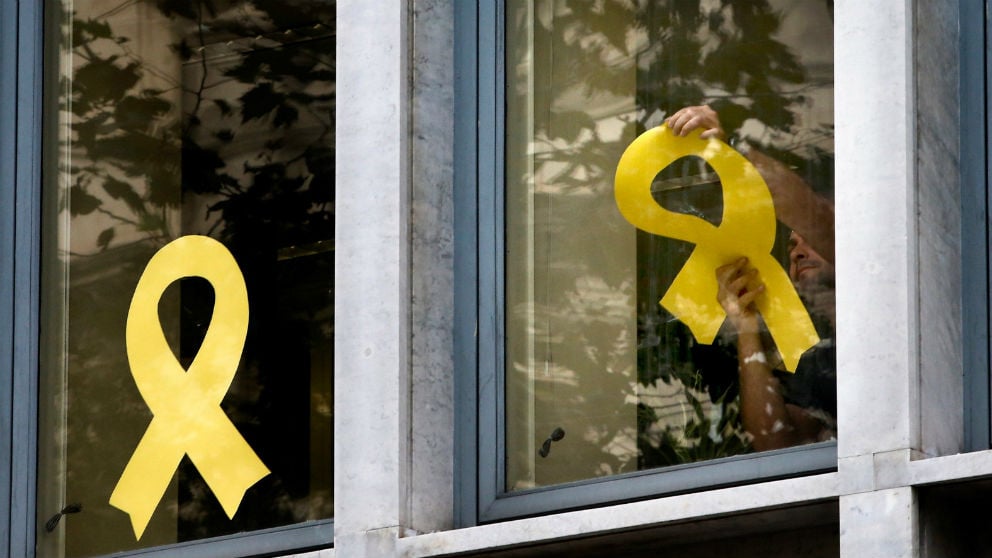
779	409
796	204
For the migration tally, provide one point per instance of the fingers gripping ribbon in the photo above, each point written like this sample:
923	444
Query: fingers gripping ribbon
187	417
747	229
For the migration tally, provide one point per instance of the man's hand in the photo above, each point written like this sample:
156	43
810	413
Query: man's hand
739	288
689	118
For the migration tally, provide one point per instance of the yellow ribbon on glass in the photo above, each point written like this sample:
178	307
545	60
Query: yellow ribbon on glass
187	417
747	229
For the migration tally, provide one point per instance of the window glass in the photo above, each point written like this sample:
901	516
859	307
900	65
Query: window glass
603	374
188	261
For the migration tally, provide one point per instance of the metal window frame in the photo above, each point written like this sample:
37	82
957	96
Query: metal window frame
479	335
20	193
22	100
976	174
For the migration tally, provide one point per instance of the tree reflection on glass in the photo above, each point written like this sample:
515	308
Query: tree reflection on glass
589	350
203	117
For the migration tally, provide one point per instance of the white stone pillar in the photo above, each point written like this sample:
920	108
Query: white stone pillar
877	293
372	297
879	523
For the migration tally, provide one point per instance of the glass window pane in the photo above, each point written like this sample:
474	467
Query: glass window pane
183	120
602	378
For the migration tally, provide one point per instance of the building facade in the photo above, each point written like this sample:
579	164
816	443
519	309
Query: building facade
376	387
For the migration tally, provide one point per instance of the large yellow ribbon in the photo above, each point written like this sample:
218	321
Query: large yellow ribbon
187	417
747	229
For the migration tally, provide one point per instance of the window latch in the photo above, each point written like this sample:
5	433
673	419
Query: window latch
556	435
53	521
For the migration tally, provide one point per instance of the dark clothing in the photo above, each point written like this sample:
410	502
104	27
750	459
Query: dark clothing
814	385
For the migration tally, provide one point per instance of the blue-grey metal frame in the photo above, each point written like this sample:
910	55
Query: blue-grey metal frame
22	84
20	211
975	177
8	147
466	294
479	334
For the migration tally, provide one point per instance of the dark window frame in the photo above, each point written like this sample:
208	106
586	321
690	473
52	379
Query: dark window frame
479	335
976	175
24	67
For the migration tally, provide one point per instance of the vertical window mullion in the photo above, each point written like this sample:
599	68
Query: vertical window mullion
975	173
466	339
8	113
27	215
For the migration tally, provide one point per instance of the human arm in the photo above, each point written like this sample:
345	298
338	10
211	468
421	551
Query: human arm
767	417
796	204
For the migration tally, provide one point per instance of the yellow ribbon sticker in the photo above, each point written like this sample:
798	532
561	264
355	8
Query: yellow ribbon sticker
747	229
187	417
